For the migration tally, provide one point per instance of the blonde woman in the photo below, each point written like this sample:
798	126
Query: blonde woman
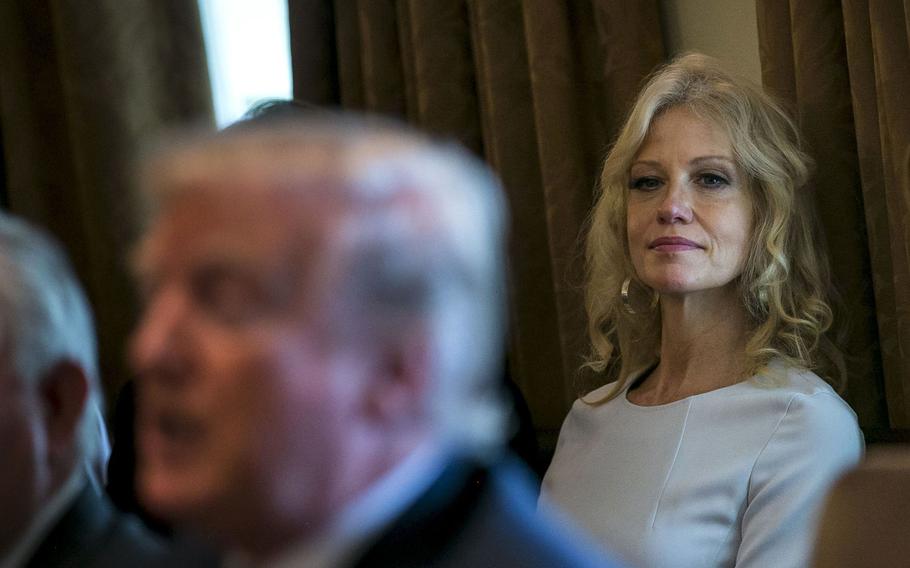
707	299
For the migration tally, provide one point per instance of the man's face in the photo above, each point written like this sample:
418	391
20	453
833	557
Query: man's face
24	482
241	410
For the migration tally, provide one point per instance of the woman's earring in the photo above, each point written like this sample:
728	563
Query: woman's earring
627	301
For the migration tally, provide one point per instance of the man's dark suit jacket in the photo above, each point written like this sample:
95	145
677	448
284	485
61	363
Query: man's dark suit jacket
482	517
473	516
92	534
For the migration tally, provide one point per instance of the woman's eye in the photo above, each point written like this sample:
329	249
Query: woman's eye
644	183
712	180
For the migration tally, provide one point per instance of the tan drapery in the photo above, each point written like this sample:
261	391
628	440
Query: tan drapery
843	64
81	87
538	88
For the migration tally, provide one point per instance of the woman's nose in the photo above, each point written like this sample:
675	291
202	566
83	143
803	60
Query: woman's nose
675	206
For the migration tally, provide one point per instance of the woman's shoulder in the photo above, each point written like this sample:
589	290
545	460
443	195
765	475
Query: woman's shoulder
789	383
598	394
814	416
588	409
595	409
611	391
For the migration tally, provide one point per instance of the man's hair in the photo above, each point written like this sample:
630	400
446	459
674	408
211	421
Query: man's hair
420	231
785	285
46	318
275	112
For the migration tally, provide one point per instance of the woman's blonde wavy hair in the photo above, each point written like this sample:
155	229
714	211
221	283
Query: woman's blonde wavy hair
785	284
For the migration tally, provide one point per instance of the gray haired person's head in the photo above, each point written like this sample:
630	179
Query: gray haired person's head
45	318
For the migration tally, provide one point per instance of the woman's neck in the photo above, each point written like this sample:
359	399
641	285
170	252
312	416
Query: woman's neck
703	340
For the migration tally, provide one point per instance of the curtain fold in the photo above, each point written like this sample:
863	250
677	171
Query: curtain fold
843	67
380	58
311	25
568	163
80	91
889	22
442	85
510	134
538	89
347	44
631	42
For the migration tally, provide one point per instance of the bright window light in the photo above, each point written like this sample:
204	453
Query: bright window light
248	51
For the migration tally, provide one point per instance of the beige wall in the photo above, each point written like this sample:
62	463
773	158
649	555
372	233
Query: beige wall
725	29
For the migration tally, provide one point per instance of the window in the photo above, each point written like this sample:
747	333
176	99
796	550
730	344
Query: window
249	57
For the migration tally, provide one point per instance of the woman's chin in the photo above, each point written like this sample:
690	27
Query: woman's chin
673	286
679	283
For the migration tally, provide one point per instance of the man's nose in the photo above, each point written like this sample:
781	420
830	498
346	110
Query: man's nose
675	206
157	343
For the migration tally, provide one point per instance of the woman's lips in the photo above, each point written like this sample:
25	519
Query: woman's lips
673	244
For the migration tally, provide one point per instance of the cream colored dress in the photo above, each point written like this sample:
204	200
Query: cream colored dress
731	477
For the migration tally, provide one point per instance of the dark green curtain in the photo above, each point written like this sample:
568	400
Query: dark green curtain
538	88
843	65
82	87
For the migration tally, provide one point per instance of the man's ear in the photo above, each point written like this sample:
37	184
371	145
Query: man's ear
399	384
64	391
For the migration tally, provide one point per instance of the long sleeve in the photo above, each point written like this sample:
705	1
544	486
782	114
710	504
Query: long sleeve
816	439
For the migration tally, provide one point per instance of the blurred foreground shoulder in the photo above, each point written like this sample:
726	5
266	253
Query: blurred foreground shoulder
93	534
479	515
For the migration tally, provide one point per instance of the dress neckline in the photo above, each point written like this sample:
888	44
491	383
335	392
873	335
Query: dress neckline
647	407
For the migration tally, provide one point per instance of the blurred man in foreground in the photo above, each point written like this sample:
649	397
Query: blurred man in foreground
52	511
316	360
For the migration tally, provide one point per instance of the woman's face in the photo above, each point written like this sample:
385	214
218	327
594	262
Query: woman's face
689	209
